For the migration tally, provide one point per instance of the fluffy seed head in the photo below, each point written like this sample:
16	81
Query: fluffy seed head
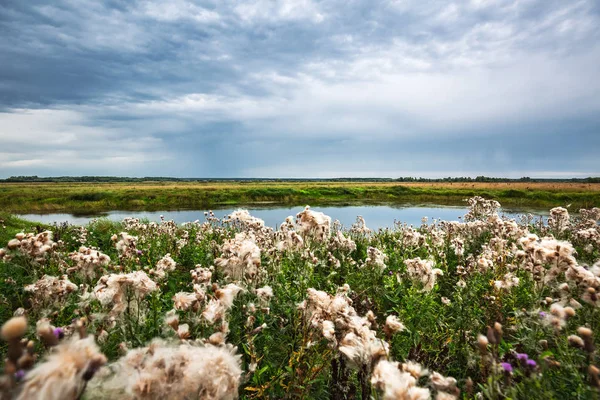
584	332
575	341
482	342
14	328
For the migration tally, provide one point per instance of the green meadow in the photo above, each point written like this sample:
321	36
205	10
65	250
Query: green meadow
92	197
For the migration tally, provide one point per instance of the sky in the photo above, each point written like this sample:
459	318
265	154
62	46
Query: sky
300	88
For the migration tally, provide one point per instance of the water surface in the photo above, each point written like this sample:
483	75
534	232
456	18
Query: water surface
379	216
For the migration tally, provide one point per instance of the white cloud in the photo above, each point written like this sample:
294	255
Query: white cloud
91	26
175	10
51	139
401	102
281	10
286	71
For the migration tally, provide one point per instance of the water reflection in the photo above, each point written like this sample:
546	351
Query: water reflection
376	216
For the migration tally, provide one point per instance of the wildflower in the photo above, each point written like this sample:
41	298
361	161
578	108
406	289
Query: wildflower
183	301
423	271
559	219
313	224
411	238
258	329
240	257
64	372
50	290
102	337
482	342
360	227
244	218
328	329
359	343
177	371
395	384
265	293
506	367
164	265
414	368
509	281
586	335
376	258
590	296
557	316
59	333
111	289
13	244
88	261
498	332
35	246
14	329
183	331
290	240
522	356
594	373
393	325
564	287
217	307
126	244
445	396
491	336
439	382
172	319
481	209
576	341
45	332
201	276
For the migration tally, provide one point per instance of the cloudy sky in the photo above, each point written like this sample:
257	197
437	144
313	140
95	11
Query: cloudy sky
300	88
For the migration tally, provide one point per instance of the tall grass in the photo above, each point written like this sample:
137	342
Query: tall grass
74	197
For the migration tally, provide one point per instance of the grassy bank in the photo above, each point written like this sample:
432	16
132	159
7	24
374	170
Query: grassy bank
86	197
11	225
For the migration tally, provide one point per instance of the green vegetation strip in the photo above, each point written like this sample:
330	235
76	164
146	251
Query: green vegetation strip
99	197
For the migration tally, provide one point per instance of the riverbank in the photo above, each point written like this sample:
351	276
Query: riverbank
10	225
98	197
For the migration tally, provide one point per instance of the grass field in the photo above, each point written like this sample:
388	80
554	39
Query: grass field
87	197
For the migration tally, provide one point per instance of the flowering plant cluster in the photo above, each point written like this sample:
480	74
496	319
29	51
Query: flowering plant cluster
489	307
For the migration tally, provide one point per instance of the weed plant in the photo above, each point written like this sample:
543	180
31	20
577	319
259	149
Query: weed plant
486	308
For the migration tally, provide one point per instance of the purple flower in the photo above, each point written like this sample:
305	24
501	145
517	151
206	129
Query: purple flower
507	367
20	374
531	363
391	273
59	333
522	357
139	253
542	314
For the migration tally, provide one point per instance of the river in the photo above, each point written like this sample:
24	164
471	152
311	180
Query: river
376	216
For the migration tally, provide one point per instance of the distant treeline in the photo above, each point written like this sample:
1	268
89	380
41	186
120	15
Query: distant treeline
170	179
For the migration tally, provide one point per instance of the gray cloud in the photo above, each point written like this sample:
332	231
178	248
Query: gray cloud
300	88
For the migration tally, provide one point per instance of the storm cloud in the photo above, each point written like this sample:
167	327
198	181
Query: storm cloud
300	88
